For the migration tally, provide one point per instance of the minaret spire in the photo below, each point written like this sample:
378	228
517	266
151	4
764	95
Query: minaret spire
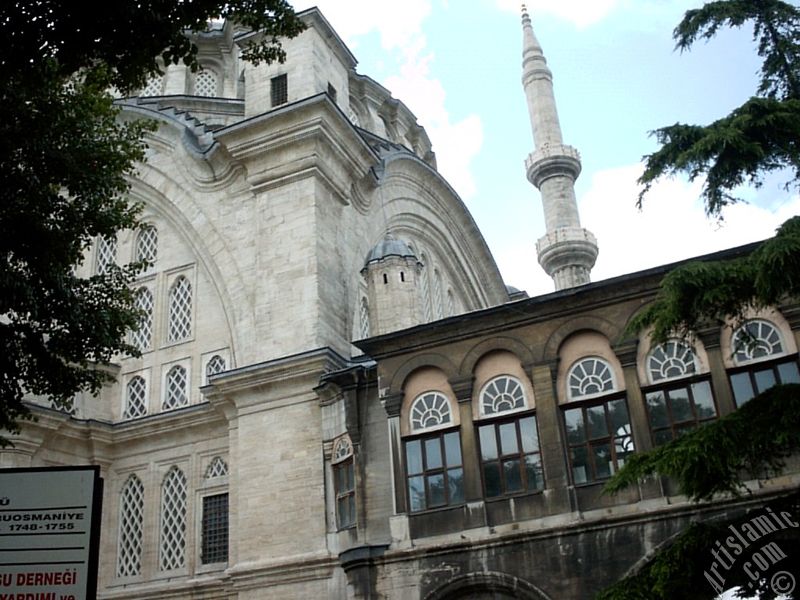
566	252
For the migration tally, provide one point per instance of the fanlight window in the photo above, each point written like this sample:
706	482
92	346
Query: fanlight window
502	394
205	84
342	450
129	539
173	520
216	468
430	410
671	360
214	366
589	377
175	396
180	310
142	336
136	401
756	340
147	244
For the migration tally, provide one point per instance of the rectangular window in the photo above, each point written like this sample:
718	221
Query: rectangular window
215	529
279	89
434	471
677	408
753	379
510	457
345	489
598	439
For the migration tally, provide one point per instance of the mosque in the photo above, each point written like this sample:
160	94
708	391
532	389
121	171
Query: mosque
338	396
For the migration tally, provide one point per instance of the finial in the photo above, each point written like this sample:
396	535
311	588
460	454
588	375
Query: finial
525	16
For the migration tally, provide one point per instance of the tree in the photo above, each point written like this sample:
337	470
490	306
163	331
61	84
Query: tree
64	163
757	138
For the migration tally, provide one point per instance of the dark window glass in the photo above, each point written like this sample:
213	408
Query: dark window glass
433	471
679	406
609	441
517	468
344	481
755	378
215	529
279	89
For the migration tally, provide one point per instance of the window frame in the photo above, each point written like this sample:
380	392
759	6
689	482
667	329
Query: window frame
427	473
495	423
279	90
667	385
202	537
589	443
751	368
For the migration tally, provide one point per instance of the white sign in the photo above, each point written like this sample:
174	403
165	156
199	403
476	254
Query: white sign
49	533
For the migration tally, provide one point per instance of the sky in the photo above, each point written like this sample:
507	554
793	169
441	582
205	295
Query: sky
457	66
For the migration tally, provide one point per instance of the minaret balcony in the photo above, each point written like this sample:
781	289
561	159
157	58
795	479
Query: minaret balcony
567	254
553	160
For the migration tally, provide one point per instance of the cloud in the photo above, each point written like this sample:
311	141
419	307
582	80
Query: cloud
671	226
411	65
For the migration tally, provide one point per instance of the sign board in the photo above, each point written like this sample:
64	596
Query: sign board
49	533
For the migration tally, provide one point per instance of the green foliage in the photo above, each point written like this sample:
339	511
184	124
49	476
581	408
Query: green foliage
757	138
702	292
65	163
754	441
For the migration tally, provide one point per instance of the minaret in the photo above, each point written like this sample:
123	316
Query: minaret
567	251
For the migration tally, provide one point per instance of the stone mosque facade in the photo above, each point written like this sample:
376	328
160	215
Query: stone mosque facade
337	396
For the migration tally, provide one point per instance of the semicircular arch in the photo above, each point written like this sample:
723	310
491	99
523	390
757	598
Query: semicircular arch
438	361
487	585
591	323
481	349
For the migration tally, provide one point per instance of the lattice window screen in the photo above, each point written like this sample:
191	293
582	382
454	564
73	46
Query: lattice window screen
175	395
129	539
172	549
180	310
136	401
142	336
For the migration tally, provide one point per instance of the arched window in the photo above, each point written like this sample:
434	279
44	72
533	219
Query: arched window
438	302
172	553
216	468
106	253
671	360
142	336
129	538
205	83
589	377
215	365
180	310
147	244
756	340
176	385
363	316
136	399
429	411
425	290
344	482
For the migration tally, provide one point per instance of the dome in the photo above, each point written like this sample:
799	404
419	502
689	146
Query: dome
388	246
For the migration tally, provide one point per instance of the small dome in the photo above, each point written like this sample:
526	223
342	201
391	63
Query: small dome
388	246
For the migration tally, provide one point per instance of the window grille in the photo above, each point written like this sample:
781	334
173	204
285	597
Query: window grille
143	334
136	401
180	310
364	318
670	360
502	394
214	546
147	244
215	365
216	468
589	377
129	538
205	84
175	395
106	253
430	410
172	550
756	340
279	89
153	86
